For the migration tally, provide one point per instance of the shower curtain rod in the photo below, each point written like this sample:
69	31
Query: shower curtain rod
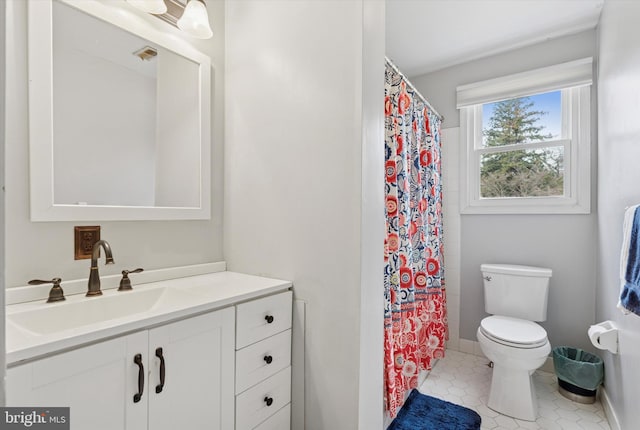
424	99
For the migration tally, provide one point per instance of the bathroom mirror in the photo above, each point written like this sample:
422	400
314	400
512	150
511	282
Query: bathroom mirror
119	116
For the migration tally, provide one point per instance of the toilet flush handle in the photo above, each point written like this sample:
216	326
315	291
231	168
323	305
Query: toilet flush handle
487	278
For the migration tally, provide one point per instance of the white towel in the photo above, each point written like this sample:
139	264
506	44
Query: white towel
624	252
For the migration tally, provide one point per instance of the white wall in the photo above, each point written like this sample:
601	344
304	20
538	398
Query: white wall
440	86
451	231
45	250
372	219
565	243
3	60
618	179
303	190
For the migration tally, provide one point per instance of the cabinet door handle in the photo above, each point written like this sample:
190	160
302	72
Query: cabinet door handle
268	359
269	319
160	386
138	360
268	400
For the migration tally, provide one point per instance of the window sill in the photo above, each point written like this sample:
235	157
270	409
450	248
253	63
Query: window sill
510	206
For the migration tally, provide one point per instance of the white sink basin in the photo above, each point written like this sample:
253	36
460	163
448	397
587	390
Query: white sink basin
37	329
51	318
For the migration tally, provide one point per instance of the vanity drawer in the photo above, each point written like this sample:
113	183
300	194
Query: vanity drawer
259	319
259	361
281	420
252	406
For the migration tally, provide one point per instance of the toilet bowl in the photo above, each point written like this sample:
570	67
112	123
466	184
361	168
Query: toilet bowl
516	348
516	296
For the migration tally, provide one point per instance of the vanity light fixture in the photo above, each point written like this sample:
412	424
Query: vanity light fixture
195	20
156	7
189	16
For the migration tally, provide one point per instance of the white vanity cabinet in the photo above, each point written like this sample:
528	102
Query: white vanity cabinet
211	352
263	363
98	382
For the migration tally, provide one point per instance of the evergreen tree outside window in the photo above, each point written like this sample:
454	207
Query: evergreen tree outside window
527	139
517	172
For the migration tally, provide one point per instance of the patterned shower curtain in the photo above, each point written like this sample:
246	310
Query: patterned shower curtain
415	321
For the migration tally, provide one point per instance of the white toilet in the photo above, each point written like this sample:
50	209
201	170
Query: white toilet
516	296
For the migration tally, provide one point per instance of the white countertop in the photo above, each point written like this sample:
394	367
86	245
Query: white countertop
183	297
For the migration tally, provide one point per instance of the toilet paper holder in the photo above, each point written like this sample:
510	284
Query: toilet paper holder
604	336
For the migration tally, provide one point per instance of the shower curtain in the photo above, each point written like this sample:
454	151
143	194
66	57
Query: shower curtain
415	322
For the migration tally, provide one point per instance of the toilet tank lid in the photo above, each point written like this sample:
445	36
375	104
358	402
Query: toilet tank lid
515	269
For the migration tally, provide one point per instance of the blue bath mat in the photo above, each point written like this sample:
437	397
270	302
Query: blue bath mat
422	412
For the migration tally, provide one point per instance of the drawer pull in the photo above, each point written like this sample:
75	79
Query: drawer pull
268	400
269	319
138	360
160	386
268	359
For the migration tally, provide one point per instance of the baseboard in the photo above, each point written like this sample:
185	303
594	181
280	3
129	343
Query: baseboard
473	347
453	344
422	376
548	366
387	420
466	346
608	410
470	347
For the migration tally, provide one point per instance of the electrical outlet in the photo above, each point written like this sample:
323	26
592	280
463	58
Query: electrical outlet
85	238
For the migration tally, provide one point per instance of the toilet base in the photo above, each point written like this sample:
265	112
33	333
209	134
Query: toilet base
512	393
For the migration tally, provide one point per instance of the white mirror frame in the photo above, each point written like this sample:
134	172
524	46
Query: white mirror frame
40	69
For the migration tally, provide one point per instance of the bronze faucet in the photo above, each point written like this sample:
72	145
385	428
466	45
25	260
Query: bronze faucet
94	276
55	294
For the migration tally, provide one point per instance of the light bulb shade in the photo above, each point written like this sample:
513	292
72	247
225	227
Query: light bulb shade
156	7
195	20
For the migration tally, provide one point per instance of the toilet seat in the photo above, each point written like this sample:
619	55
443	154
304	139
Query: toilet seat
513	332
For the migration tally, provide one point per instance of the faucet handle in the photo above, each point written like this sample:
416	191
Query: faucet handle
125	282
55	294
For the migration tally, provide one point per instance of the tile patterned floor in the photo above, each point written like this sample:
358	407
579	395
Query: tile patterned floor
465	379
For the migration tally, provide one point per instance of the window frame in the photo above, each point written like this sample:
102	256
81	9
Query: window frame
571	78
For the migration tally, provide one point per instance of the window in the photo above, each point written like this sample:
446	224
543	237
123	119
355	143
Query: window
527	140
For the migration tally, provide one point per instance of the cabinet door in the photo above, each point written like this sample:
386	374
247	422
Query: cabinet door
93	381
198	390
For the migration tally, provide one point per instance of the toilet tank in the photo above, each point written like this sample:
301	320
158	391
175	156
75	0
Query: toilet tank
516	291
